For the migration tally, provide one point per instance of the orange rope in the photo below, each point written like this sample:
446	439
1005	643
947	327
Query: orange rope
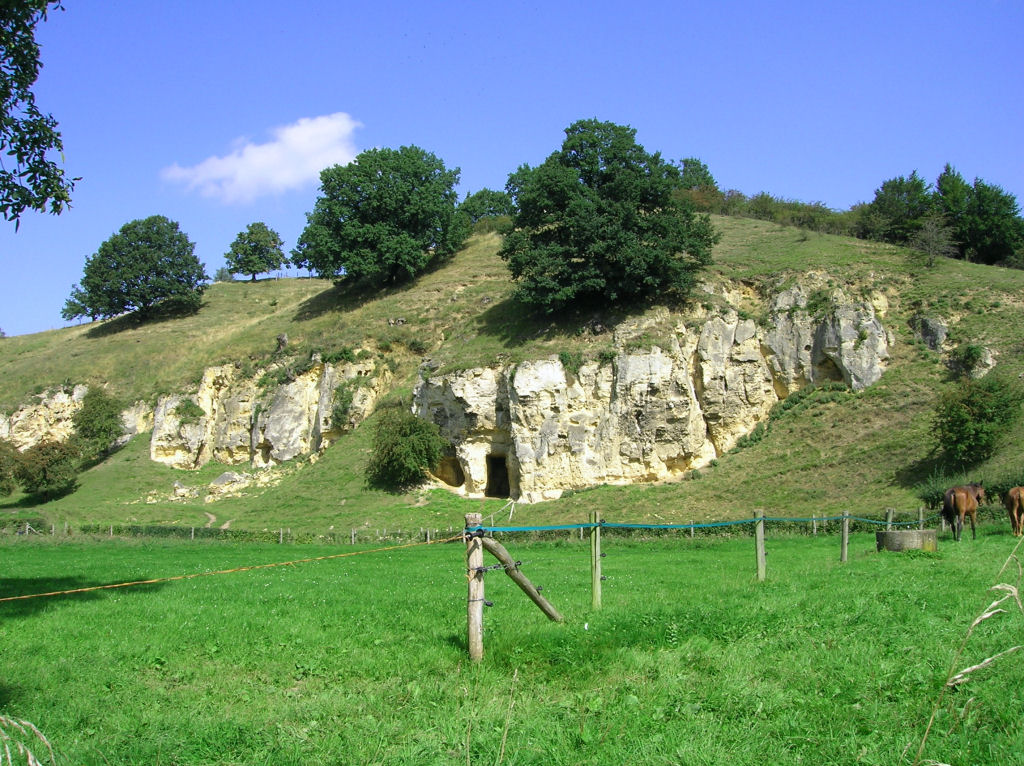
226	571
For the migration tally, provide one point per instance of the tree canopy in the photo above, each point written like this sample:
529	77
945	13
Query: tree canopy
598	222
28	180
384	218
486	203
256	250
149	261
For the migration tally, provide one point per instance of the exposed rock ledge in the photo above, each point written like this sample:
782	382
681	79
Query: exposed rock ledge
238	425
533	430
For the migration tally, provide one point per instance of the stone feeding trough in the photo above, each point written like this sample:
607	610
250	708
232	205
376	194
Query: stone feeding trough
907	540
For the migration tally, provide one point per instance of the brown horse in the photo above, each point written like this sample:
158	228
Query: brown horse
1014	502
959	502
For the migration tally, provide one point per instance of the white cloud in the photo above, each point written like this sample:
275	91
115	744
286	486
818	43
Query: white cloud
293	159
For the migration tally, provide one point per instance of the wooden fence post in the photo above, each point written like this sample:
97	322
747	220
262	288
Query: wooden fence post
814	524
595	561
920	517
845	538
512	570
692	523
762	563
475	597
888	519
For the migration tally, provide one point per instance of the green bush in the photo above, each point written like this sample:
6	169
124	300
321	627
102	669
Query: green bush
404	448
966	357
98	422
8	468
571	362
344	394
49	469
188	412
971	417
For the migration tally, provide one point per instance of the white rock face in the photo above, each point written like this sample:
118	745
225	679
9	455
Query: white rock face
242	424
533	430
49	419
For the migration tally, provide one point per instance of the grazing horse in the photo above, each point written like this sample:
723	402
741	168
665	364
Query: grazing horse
959	502
1014	502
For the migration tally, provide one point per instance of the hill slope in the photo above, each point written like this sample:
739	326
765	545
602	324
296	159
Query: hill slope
862	452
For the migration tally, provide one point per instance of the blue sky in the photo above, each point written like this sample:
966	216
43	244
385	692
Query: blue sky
220	113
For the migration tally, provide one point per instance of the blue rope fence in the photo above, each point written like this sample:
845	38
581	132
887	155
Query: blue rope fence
702	525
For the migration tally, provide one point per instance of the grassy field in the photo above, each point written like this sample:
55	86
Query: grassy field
362	659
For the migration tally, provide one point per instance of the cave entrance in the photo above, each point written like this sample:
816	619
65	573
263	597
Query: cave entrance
497	476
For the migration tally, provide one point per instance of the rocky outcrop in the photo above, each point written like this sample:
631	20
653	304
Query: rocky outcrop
232	420
48	419
532	430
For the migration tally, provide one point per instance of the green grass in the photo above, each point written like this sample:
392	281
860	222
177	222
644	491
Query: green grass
362	659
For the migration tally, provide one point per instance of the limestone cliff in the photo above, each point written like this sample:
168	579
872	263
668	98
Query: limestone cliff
236	422
535	429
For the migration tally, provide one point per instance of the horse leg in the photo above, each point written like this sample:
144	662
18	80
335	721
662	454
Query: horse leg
974	535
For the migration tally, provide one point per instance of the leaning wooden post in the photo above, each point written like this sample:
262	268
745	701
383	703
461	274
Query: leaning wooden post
888	519
512	570
845	537
475	598
762	563
595	561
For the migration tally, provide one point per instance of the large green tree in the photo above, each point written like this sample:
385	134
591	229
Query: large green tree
984	219
149	262
898	210
256	250
29	180
486	203
598	222
383	218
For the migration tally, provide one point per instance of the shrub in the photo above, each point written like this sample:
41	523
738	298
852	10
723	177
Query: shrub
49	469
404	448
344	394
571	362
188	412
343	354
966	357
8	468
98	422
971	417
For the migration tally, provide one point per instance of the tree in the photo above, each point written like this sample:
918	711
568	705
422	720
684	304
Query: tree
149	262
984	220
934	239
597	222
898	209
486	203
404	449
952	195
48	469
384	218
28	180
98	422
971	418
992	228
256	250
8	468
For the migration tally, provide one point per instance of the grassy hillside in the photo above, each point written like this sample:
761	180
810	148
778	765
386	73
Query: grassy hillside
862	452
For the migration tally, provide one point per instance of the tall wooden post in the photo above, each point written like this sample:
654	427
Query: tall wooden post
920	517
595	561
762	561
475	598
814	524
888	519
845	537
